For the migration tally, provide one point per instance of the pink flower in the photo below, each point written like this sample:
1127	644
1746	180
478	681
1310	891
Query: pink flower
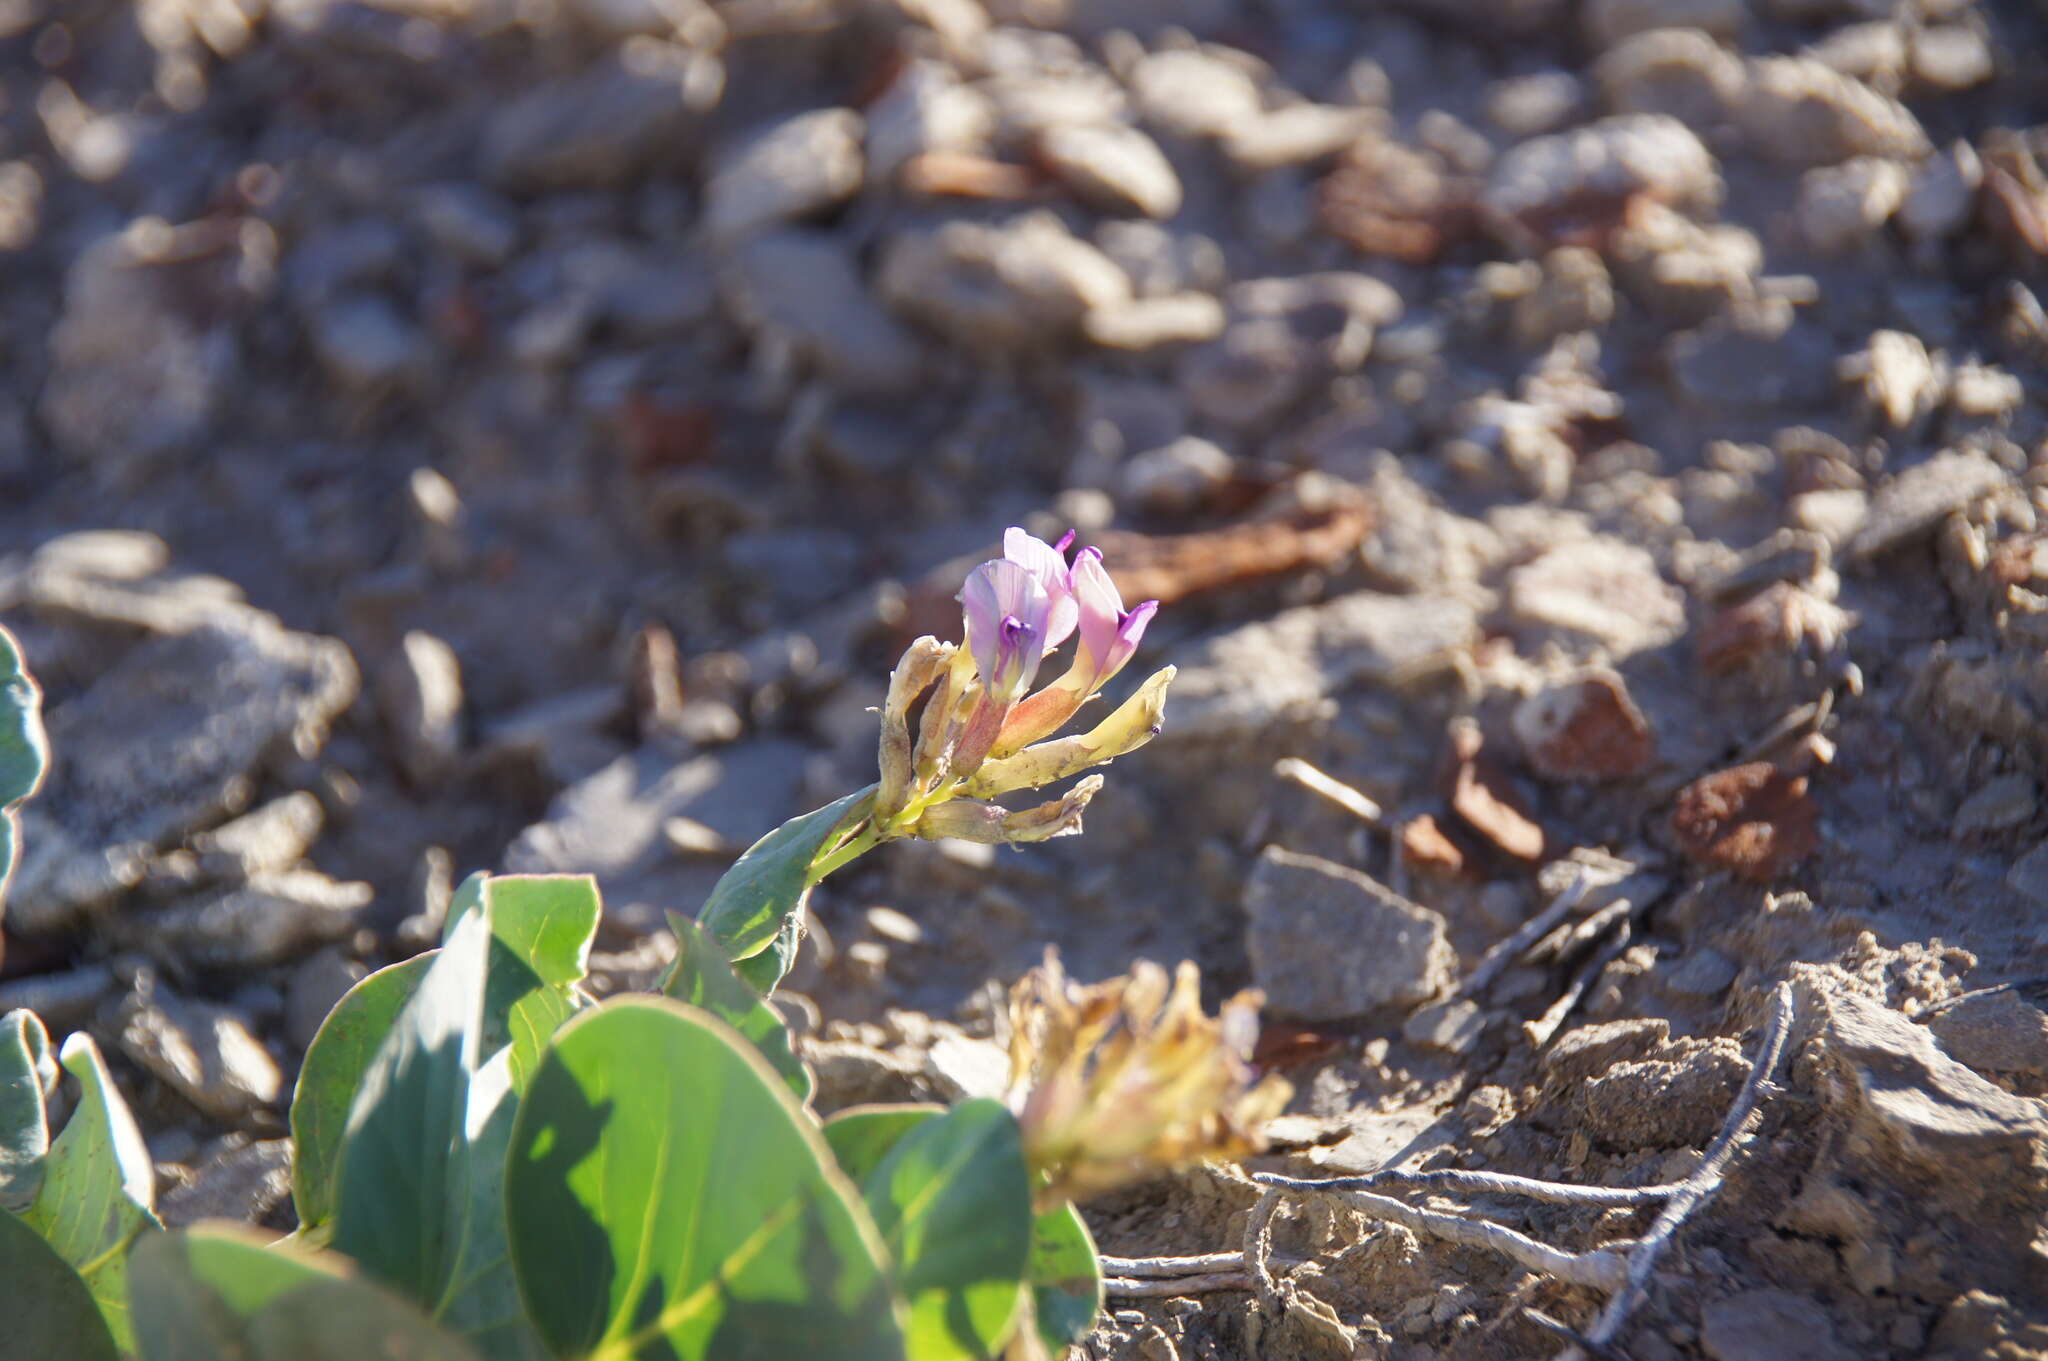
1009	617
1047	562
1109	633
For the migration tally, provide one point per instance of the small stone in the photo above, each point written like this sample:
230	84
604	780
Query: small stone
1112	167
1144	324
1328	942
1485	800
603	128
1842	207
1177	478
1454	1027
894	926
1682	72
1755	821
1952	57
419	691
203	1052
1600	591
962	1068
1425	845
1701	972
1907	508
1297	134
275	836
244	1183
270	919
2000	1032
1798	111
365	345
64	1001
1998	805
926	110
1013	285
1585	728
469	222
1770	1325
1663	1103
807	286
789	170
316	986
1531	105
1192	94
1613	160
1943	193
2028	876
1591	1050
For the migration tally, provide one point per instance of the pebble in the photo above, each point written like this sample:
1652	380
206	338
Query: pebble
205	1053
1942	194
1909	506
1682	72
2028	876
1770	1325
1599	591
1144	324
1998	805
419	693
245	1182
807	286
1531	105
365	345
1192	94
270	919
275	836
1585	727
2001	1033
1297	135
1454	1027
789	170
1843	207
926	110
1326	942
1612	159
1952	57
1010	285
1755	820
1112	167
600	129
1176	479
1799	111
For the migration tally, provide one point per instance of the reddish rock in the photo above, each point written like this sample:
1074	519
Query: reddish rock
1756	821
1483	797
1585	728
1426	845
1775	620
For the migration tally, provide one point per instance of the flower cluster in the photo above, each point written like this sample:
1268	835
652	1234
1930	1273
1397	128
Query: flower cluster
982	732
1116	1082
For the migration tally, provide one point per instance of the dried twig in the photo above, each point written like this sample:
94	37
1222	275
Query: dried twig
1540	1030
1601	1269
1184	1285
2033	989
1504	952
1502	1184
1699	1188
1565	1331
1257	1256
1160	1267
1335	790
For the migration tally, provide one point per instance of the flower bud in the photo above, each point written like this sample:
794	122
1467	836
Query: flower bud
990	824
924	662
1130	726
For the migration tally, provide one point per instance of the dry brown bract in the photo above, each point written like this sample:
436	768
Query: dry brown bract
1121	1080
1755	821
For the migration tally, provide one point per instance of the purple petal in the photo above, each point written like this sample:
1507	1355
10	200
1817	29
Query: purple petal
1006	611
1101	607
1049	565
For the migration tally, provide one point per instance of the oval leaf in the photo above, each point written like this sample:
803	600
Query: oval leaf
764	891
50	1313
26	1075
953	1202
98	1187
340	1054
667	1198
24	751
542	926
398	1194
701	976
861	1136
217	1291
1065	1277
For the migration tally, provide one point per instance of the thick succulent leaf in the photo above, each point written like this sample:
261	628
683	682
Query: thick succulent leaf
99	1187
341	1053
50	1313
1065	1278
481	1297
217	1292
24	752
702	977
399	1191
952	1199
861	1136
763	893
542	927
27	1073
669	1199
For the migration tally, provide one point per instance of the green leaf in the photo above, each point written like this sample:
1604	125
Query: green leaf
702	977
24	751
481	1299
1065	1278
398	1196
332	1074
50	1313
763	893
952	1199
861	1136
669	1199
98	1187
26	1076
217	1292
467	898
542	926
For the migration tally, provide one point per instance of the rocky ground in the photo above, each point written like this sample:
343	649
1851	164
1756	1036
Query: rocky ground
1605	436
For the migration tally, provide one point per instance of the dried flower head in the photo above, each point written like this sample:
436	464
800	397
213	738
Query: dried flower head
1120	1080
